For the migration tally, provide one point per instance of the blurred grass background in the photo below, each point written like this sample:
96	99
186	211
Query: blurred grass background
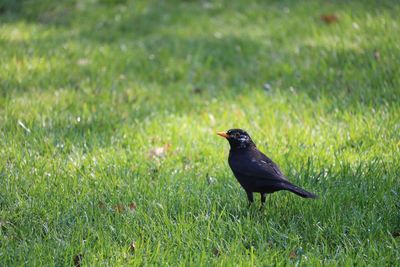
108	114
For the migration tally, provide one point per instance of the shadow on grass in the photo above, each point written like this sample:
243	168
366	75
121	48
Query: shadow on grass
216	64
219	66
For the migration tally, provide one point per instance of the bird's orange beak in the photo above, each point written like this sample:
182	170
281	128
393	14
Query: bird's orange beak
223	134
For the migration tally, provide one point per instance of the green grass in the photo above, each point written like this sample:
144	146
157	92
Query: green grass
90	88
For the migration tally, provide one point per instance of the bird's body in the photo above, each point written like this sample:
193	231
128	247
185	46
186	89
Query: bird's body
255	172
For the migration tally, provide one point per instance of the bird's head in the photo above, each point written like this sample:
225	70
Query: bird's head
237	138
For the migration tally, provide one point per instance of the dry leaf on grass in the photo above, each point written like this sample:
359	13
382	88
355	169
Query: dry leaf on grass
329	18
159	152
119	208
132	207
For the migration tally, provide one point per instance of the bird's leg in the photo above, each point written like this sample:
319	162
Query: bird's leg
250	197
263	197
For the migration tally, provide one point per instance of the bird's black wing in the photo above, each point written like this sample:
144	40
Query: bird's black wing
255	164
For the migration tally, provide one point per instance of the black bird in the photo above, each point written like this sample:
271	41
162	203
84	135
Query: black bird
254	170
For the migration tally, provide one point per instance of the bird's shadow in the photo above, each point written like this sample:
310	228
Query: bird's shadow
243	210
276	211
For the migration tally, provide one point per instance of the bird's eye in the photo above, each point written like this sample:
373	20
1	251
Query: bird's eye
237	135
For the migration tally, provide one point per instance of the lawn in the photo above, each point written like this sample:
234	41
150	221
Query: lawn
108	115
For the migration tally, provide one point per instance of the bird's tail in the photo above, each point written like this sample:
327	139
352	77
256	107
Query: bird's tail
299	191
